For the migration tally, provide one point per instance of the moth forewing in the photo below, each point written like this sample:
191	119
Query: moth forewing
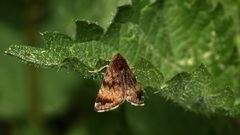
119	84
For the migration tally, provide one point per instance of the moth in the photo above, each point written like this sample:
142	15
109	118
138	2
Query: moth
119	84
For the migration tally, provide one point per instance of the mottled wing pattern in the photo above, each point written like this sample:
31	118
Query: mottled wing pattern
111	93
133	92
108	99
118	84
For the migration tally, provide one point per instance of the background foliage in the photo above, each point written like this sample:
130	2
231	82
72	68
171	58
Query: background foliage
184	53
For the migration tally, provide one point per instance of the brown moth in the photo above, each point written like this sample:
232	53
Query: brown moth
119	84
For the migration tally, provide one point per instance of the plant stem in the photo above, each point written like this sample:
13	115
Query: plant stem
33	11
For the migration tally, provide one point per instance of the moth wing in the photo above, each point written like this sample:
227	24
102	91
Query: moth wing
118	84
133	93
110	96
135	96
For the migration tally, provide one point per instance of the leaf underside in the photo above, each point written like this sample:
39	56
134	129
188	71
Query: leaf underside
161	41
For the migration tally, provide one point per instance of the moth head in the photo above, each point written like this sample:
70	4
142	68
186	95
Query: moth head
118	62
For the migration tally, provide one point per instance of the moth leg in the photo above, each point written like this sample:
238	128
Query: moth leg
99	70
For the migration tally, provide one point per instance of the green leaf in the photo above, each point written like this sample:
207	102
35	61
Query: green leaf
86	31
81	57
35	56
164	38
55	40
148	75
196	91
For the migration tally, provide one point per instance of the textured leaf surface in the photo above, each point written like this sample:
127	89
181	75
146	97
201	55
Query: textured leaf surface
164	38
197	91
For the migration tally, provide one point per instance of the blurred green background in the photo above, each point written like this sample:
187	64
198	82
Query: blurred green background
45	102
